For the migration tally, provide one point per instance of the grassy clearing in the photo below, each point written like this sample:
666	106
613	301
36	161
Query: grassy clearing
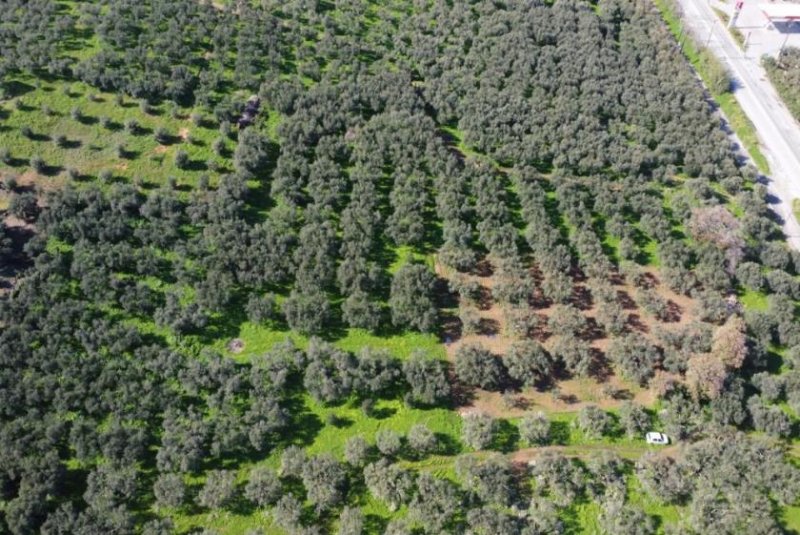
42	121
733	112
583	518
259	339
752	300
350	421
326	429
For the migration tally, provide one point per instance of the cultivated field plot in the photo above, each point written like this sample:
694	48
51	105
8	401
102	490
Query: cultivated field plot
382	267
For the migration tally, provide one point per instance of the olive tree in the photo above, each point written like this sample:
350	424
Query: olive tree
219	489
478	430
594	422
476	366
411	298
535	428
263	486
528	362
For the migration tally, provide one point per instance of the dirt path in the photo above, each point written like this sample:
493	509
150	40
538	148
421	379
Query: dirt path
626	451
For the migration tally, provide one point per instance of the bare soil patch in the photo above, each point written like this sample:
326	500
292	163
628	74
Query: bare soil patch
236	346
603	387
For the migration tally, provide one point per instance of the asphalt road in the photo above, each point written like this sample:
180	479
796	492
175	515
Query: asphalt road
777	130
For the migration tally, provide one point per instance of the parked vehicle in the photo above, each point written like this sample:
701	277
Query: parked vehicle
654	437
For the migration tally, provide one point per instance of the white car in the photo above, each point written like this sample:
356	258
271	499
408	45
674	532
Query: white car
654	437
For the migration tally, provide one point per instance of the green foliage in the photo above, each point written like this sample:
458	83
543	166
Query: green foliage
784	73
535	429
411	300
476	366
142	353
478	430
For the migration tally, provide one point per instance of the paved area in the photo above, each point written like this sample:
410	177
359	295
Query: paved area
762	38
777	130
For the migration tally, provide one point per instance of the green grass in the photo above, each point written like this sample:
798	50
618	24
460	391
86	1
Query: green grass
727	102
790	518
458	139
329	428
651	250
330	438
92	148
753	300
259	339
796	208
664	513
96	152
586	514
389	414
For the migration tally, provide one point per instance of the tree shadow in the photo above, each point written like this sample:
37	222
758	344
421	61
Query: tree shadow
39	137
51	170
195	165
21	106
449	328
114	126
16	162
615	431
581	297
259	199
305	425
241	506
485	299
374	524
488	327
599	367
673	312
15	263
444	296
383	413
506	436
482	268
72	144
447	445
626	301
130	154
559	433
168	140
88	120
339	422
461	395
635	323
15	88
593	331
